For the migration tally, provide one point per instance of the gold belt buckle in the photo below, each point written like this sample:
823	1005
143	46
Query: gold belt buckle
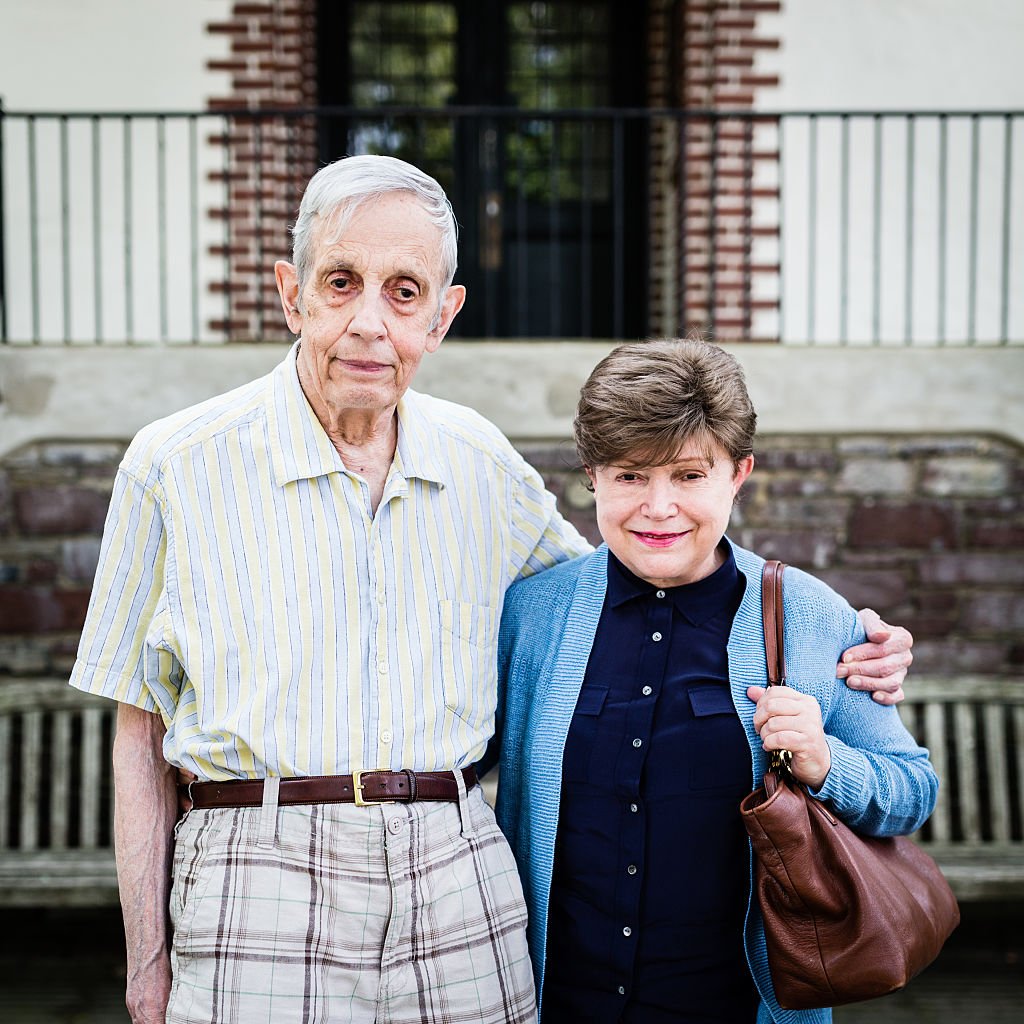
357	789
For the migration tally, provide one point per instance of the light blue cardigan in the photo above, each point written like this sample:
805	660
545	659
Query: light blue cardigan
881	782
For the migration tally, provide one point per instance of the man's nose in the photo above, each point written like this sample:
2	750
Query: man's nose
368	315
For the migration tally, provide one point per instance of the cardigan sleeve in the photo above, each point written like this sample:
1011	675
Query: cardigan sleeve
880	782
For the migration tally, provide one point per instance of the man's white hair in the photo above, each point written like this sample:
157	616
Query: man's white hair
336	191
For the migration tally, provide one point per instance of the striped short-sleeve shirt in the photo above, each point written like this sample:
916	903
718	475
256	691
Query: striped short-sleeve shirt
247	592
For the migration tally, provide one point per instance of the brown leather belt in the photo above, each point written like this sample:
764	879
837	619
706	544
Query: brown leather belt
362	788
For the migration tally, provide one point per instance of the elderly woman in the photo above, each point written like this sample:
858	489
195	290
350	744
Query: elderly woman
636	715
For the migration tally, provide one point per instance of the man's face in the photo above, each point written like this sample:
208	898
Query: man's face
368	309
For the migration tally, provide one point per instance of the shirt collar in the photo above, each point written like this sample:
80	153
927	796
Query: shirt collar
300	448
698	602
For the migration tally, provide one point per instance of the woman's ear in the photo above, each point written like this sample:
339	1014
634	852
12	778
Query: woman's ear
743	469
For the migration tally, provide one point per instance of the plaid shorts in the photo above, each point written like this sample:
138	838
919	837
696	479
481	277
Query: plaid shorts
334	913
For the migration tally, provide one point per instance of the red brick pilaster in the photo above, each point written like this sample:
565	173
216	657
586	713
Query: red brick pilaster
710	232
268	154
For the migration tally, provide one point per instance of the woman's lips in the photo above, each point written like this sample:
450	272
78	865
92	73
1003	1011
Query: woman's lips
658	540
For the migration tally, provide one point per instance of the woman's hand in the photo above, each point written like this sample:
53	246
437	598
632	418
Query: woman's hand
787	719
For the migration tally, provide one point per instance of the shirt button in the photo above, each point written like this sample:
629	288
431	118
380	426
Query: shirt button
395	826
385	736
627	931
631	870
661	593
647	691
655	637
622	990
381	598
634	808
382	667
638	742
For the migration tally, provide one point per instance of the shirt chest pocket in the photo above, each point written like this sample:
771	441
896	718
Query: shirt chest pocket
468	636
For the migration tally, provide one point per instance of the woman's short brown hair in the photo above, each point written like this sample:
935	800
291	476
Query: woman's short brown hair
646	399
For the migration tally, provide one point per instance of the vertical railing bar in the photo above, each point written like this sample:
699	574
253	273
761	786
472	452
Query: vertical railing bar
129	312
586	131
748	235
844	231
812	230
193	175
681	219
782	232
257	126
65	228
523	297
876	262
1004	311
97	233
943	185
908	325
489	161
33	221
972	279
554	224
226	168
161	190
3	237
713	230
618	227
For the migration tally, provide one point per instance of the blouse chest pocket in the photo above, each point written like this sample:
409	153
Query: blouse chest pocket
719	756
468	636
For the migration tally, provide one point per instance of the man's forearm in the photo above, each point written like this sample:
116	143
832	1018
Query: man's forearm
145	810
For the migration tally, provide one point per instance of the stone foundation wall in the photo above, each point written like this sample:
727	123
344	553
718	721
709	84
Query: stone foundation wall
927	530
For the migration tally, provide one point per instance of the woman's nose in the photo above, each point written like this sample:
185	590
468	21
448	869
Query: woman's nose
660	502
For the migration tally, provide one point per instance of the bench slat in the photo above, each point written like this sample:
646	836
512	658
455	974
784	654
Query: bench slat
967	765
60	769
998	771
5	781
31	778
93	774
934	740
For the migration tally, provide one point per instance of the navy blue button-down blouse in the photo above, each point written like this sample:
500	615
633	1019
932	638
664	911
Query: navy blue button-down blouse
651	869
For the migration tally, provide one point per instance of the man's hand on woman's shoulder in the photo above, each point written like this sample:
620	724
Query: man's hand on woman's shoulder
881	664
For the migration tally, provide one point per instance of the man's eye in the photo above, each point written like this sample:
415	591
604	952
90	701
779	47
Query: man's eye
340	283
406	293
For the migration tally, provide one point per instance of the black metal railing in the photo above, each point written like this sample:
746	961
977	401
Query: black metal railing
807	227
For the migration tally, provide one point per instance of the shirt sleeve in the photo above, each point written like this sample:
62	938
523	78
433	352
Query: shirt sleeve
123	652
541	537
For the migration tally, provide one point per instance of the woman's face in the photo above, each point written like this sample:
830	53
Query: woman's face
664	523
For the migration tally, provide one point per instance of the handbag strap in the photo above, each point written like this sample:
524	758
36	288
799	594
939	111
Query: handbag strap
771	615
779	761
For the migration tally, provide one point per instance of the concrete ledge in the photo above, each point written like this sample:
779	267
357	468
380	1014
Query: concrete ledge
528	388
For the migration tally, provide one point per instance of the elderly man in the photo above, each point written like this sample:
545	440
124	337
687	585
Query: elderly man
297	601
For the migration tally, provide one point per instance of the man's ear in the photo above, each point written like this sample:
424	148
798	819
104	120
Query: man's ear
288	288
453	302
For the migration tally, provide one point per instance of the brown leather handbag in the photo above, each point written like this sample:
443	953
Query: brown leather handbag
846	917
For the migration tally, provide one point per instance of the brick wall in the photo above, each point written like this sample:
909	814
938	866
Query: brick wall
929	531
267	157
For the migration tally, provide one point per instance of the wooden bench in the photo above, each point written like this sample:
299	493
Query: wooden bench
974	730
56	797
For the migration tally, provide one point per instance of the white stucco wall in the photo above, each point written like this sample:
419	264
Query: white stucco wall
109	55
898	55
